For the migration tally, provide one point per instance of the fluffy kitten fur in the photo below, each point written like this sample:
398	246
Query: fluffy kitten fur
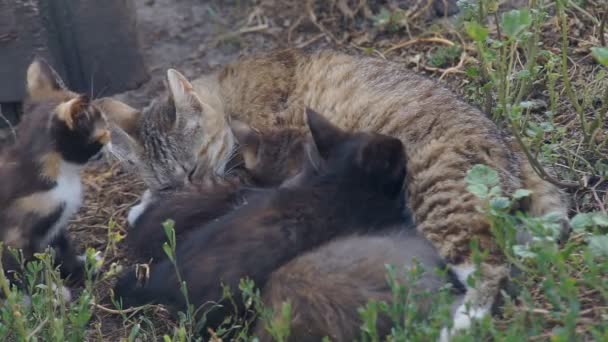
354	186
326	286
269	157
443	136
40	172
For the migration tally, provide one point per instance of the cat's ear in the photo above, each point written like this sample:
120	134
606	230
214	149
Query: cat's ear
119	113
69	111
324	134
382	154
383	158
123	146
187	104
124	121
43	80
249	142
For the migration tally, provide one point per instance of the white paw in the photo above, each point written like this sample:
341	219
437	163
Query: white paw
463	318
138	209
98	257
64	292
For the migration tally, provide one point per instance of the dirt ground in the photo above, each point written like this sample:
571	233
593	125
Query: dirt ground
193	36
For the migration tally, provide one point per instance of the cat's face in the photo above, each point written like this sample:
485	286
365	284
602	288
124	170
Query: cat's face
372	160
77	128
163	140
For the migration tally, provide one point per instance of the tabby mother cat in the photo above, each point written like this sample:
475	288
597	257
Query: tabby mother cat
444	137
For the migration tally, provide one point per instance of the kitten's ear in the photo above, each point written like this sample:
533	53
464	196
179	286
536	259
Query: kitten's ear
382	154
324	134
187	103
249	142
43	80
69	111
123	146
119	113
384	158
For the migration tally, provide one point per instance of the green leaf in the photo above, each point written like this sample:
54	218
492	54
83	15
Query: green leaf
598	245
521	193
515	22
600	54
600	219
477	32
523	252
581	221
169	228
134	332
482	174
494	191
522	74
499	203
168	251
473	72
479	190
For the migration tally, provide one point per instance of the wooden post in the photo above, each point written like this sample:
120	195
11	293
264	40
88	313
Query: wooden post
92	44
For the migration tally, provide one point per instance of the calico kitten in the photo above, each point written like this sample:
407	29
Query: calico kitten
269	157
352	184
327	286
443	136
40	173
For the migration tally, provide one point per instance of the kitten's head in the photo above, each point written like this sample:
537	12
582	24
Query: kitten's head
77	128
367	160
162	141
270	156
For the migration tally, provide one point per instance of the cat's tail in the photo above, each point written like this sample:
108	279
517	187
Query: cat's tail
545	197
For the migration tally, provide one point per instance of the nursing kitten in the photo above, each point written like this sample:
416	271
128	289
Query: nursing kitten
163	141
352	184
40	173
326	287
443	136
269	157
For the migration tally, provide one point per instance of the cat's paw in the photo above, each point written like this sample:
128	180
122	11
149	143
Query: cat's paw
463	319
138	209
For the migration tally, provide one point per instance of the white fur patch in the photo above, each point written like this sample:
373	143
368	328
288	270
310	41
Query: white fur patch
68	192
139	209
463	271
63	291
463	317
83	258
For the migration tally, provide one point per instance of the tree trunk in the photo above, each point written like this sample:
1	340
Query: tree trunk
92	44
